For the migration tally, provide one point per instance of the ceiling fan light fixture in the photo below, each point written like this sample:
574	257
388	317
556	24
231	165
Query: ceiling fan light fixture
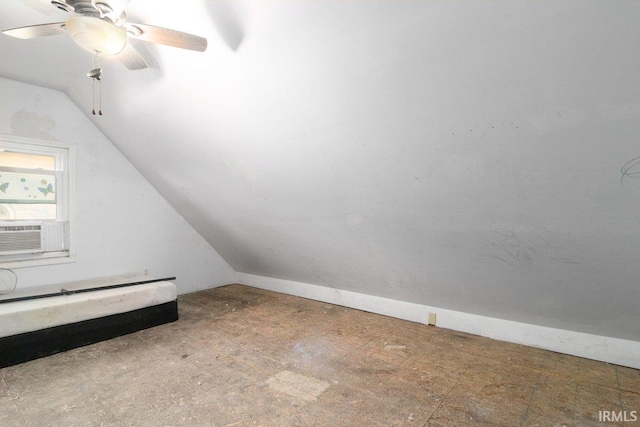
96	35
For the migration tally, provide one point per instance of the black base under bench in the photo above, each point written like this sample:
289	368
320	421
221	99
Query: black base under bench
44	342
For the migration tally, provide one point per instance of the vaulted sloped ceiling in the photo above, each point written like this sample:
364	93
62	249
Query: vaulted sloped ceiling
461	154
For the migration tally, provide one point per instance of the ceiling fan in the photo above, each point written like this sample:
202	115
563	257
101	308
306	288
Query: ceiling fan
101	27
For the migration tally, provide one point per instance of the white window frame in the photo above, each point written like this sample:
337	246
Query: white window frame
65	210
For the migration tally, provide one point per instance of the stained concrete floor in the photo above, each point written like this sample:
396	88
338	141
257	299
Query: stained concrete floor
240	356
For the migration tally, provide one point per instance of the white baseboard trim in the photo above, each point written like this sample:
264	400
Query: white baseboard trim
596	347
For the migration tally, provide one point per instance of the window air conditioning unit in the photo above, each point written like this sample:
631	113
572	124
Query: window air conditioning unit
34	238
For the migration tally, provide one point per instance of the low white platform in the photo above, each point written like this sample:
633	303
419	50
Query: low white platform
36	314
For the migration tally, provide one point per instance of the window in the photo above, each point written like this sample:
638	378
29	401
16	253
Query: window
36	192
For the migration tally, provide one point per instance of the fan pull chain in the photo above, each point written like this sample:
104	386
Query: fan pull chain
95	74
99	85
93	85
100	96
93	96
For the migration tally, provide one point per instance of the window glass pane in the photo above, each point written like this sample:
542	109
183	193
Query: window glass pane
12	159
27	186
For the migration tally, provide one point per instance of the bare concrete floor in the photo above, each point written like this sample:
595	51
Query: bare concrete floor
240	356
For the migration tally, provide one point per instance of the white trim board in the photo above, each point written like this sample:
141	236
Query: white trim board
605	349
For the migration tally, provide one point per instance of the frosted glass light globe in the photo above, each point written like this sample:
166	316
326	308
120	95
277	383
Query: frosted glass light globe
96	35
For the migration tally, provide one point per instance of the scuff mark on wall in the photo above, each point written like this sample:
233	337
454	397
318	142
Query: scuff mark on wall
25	123
356	220
487	129
243	170
92	150
529	248
631	169
464	167
557	118
619	112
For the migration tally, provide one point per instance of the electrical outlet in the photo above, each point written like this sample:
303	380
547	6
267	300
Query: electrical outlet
432	319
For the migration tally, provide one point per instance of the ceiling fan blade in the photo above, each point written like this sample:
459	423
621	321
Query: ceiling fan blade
35	31
131	58
165	36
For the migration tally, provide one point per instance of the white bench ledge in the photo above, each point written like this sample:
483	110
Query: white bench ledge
36	314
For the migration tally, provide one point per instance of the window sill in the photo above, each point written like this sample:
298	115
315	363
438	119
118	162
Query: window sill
37	262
